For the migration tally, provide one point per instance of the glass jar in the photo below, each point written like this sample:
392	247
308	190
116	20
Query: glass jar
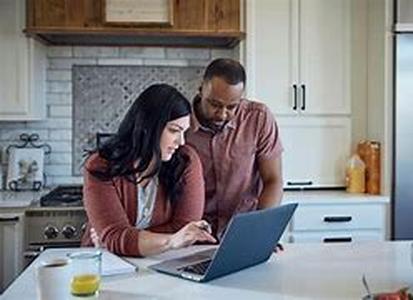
86	270
374	172
355	175
369	152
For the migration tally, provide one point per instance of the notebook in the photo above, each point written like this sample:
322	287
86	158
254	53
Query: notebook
113	264
249	240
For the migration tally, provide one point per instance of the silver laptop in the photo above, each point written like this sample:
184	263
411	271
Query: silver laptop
249	240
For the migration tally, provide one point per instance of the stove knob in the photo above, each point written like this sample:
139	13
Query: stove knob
83	228
51	232
68	231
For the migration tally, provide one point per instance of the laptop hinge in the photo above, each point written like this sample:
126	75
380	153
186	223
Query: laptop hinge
192	276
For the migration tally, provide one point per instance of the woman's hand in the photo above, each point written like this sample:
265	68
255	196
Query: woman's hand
95	238
197	231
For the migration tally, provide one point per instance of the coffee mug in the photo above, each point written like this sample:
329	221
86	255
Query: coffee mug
53	279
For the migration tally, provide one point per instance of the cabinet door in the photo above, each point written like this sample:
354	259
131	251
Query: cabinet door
88	15
11	248
270	54
315	150
22	72
13	59
324	56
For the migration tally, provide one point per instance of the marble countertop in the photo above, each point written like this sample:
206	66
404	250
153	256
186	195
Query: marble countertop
332	196
10	199
302	271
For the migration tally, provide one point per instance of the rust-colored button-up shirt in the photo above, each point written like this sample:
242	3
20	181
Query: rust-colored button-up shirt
230	160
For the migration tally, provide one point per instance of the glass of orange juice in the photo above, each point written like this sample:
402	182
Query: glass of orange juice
86	269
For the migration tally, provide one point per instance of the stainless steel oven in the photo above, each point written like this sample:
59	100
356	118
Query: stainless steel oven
58	221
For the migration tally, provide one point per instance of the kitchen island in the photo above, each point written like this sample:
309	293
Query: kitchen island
302	271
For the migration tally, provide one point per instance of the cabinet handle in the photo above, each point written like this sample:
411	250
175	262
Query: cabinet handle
337	219
12	219
337	240
303	97
291	183
295	96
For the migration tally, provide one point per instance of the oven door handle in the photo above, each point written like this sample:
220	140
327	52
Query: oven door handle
32	253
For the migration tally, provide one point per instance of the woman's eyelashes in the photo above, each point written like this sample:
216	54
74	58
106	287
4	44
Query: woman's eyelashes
174	130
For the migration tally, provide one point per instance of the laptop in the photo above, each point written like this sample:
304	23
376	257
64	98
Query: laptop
249	240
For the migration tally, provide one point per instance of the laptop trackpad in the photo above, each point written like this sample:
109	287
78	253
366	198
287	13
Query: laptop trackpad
190	259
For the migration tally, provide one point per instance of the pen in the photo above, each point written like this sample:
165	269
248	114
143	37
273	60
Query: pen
206	226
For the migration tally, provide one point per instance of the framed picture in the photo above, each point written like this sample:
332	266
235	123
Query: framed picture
25	169
138	12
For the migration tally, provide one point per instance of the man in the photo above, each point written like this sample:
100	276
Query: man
238	143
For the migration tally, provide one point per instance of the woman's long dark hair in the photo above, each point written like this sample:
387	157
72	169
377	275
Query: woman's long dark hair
137	141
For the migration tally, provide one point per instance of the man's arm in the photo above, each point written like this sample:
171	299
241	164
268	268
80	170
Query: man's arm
271	174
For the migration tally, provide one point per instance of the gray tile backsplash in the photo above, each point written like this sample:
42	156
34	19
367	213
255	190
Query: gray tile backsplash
176	66
103	94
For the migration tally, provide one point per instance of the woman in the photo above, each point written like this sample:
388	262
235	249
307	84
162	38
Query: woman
143	190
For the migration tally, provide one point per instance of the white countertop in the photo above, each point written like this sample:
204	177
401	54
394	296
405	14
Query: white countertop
331	197
302	271
9	199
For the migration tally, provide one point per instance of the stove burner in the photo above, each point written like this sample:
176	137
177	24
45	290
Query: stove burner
64	195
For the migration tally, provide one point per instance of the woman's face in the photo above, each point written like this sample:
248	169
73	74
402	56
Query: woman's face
173	136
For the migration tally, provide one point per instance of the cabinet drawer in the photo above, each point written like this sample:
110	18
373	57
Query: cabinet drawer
336	236
338	217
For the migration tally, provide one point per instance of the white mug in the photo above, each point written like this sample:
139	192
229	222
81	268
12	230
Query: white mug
53	279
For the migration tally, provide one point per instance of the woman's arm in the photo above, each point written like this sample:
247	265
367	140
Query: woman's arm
109	219
153	243
106	213
190	203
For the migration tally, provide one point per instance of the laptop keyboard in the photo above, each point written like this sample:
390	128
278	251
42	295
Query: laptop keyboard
198	268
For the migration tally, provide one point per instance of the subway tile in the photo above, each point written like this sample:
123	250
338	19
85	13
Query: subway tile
198	63
60	134
60	158
60	146
59	75
58	169
187	53
59	52
67	63
222	53
57	123
55	180
120	61
166	62
59	87
12	125
59	98
13	134
142	52
57	129
60	111
95	52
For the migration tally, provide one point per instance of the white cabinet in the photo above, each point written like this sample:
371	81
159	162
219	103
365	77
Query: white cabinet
315	151
22	72
336	217
298	55
11	247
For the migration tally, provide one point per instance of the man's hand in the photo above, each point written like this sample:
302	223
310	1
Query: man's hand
198	231
278	248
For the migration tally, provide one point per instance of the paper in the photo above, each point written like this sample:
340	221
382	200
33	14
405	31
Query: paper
113	264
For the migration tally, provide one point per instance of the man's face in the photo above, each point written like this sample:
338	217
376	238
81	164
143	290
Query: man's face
219	101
